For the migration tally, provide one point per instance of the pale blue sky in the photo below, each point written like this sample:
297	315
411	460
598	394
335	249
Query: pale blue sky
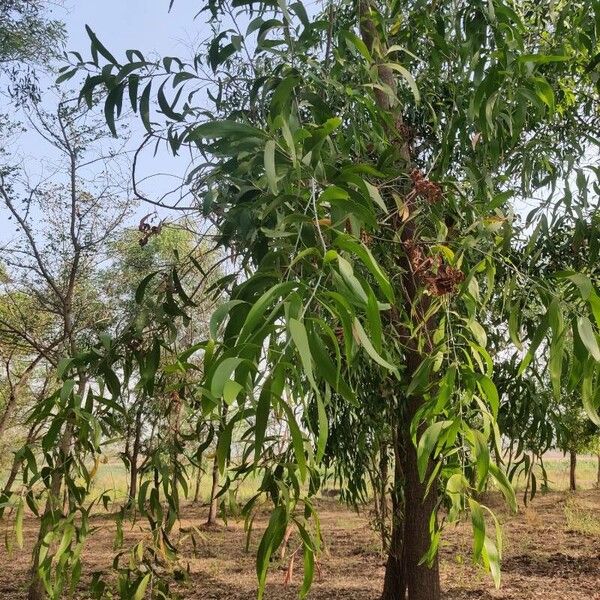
141	24
146	25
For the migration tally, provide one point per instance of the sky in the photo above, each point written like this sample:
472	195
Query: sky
141	24
146	25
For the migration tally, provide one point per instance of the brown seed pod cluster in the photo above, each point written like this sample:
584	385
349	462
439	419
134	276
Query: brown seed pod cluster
406	131
445	281
425	188
366	238
147	229
438	277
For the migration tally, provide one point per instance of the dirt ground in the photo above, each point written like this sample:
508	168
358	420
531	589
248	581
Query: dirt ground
551	551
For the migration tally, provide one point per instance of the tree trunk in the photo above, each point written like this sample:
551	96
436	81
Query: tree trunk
572	467
413	509
36	589
197	488
422	581
135	452
411	528
394	584
212	511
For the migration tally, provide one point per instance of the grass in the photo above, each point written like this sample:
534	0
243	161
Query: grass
557	469
581	519
111	478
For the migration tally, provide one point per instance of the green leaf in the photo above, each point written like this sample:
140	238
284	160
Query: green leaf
491	557
140	292
588	337
488	387
505	487
540	332
269	543
555	365
270	165
365	342
219	315
446	389
584	284
347	273
544	93
309	571
406	74
323	428
98	47
482	457
374	322
588	393
333	192
367	258
478	522
300	338
478	332
297	439
67	388
263	408
67	538
145	107
257	312
140	592
224	129
542	59
427	442
231	389
353	40
222	374
19	524
376	196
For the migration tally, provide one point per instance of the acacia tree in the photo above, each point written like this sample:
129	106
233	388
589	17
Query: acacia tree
360	165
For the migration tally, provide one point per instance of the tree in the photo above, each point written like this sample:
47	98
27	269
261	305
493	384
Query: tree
360	168
29	39
133	259
546	410
52	263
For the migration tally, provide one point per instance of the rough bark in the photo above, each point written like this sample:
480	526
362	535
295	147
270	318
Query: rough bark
572	470
394	585
422	580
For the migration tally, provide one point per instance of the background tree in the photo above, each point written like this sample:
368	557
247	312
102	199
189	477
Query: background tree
54	261
29	39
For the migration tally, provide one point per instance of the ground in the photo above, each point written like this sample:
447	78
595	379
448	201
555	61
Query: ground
551	551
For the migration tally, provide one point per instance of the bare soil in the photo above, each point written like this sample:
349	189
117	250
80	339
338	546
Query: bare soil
551	551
